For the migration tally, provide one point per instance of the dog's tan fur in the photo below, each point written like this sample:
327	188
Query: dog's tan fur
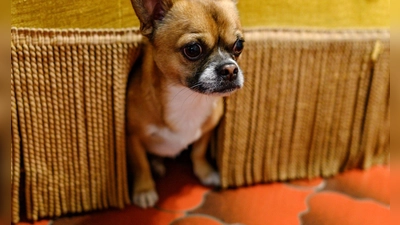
163	66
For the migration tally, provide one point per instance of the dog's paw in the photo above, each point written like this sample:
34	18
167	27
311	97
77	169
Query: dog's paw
212	179
145	199
206	173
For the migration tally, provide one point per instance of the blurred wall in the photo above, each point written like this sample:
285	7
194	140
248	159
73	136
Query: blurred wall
254	13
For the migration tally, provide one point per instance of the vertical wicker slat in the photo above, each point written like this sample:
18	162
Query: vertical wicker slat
314	103
67	105
71	129
81	126
22	108
360	108
110	123
101	99
376	105
290	103
16	147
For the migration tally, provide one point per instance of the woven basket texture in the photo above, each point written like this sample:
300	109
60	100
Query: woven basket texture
68	119
314	103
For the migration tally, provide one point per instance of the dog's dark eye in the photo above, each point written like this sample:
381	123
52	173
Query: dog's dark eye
238	47
193	51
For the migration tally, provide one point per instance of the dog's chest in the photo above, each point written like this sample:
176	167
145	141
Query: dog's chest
186	111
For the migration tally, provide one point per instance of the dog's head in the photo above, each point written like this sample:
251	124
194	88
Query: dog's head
196	43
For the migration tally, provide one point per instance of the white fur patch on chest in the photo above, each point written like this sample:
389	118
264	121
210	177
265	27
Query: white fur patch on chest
185	111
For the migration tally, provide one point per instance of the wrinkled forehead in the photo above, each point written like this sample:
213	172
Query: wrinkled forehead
216	20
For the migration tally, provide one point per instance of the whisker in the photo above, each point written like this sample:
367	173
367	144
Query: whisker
183	89
188	97
196	97
195	85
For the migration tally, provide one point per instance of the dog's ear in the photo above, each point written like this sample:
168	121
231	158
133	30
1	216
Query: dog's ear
148	11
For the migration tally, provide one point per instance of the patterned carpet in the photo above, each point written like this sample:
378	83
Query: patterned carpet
354	197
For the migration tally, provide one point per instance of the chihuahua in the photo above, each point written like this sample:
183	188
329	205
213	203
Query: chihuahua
174	95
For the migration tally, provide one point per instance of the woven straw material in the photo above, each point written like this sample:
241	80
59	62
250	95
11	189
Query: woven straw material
68	132
314	103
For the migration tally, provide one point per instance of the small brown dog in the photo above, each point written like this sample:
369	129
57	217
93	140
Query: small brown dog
175	94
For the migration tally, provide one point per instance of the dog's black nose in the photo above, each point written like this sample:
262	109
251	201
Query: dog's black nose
228	71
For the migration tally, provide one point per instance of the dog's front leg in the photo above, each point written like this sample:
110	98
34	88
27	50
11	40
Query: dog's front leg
202	169
144	194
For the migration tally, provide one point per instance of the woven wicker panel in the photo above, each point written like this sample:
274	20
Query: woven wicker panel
314	103
68	133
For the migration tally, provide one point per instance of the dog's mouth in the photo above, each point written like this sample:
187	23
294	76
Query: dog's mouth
224	88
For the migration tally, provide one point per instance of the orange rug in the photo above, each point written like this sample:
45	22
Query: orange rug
354	197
